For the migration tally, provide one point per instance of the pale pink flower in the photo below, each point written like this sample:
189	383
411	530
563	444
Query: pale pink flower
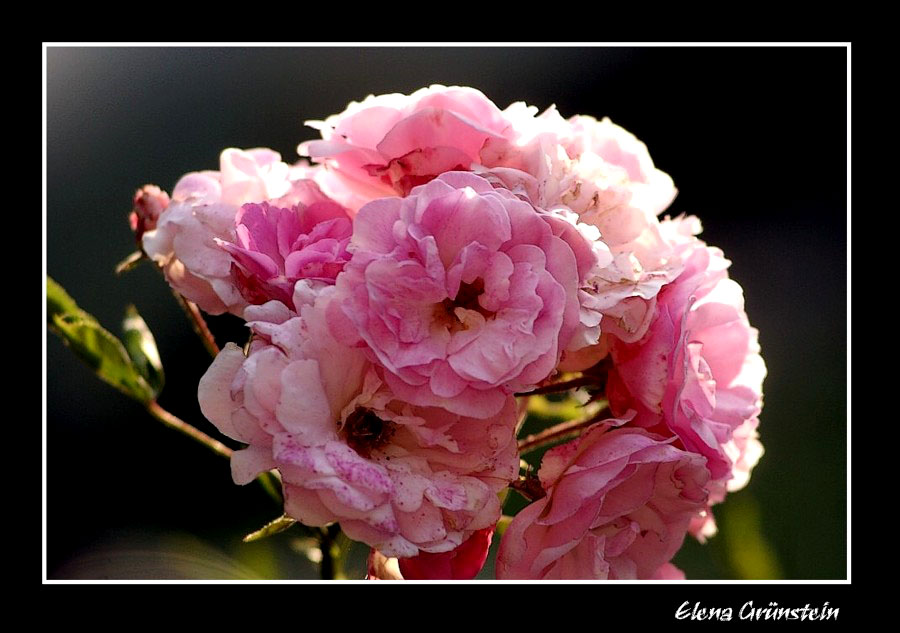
462	292
610	181
277	247
623	291
618	505
647	187
203	209
697	372
592	256
400	478
388	144
603	175
595	168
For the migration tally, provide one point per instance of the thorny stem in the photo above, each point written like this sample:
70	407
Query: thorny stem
178	424
558	432
559	387
267	479
332	543
193	313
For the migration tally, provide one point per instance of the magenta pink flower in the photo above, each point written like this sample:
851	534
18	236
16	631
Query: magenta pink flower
462	563
697	372
460	291
618	505
400	478
277	247
388	144
203	209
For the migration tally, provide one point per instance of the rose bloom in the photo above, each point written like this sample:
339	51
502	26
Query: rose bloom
619	503
623	293
697	373
461	292
203	209
603	175
400	478
277	247
388	144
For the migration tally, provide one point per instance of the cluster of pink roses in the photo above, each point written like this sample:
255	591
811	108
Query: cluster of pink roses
440	257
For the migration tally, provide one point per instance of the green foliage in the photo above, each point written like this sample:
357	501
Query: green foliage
141	347
138	376
59	302
129	262
273	527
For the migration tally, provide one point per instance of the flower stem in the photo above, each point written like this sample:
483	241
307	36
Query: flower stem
270	481
558	432
334	545
178	424
193	313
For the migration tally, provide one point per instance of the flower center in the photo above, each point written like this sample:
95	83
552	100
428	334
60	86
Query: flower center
466	298
365	432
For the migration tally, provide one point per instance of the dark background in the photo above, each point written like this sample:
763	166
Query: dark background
755	139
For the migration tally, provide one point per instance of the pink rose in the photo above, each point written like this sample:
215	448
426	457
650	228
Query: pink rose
592	256
203	209
400	478
618	505
277	247
603	175
462	292
620	150
697	372
386	145
595	168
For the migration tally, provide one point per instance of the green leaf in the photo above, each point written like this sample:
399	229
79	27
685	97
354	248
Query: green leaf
141	347
273	527
129	262
102	351
60	303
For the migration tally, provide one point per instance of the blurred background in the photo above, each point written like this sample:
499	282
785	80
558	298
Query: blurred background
755	139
